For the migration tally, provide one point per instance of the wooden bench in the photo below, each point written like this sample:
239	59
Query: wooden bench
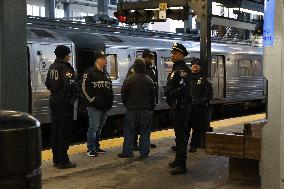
243	150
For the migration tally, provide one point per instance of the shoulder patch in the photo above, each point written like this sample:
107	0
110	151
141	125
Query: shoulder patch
68	75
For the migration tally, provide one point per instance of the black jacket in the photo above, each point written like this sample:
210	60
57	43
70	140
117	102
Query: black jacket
61	79
138	92
97	88
202	91
178	88
151	72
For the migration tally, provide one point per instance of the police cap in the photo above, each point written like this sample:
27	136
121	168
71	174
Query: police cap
180	48
147	53
196	61
99	54
61	51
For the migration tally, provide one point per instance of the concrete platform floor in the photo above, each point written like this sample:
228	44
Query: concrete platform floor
109	171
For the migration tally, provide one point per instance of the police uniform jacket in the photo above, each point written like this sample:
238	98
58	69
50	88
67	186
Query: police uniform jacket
202	91
60	79
97	88
138	92
178	86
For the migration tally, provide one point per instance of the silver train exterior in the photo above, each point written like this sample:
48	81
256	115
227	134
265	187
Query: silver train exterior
237	70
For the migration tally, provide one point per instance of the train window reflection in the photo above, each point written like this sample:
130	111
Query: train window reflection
168	64
112	66
245	68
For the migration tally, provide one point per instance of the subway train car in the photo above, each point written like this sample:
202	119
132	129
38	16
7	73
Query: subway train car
237	70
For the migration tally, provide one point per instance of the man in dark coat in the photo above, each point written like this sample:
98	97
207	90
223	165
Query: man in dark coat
138	96
202	93
178	96
60	81
151	71
97	88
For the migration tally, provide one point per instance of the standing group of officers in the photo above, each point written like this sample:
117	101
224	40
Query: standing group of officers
188	93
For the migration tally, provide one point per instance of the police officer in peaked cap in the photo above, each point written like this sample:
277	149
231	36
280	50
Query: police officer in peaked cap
178	96
61	83
202	93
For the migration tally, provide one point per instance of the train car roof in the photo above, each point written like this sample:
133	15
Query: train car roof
40	35
84	40
122	41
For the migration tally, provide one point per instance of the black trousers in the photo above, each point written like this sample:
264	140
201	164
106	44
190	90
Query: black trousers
180	122
62	120
199	122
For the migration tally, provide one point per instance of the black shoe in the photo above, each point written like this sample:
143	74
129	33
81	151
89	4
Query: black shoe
125	156
153	145
173	164
66	165
192	149
179	170
143	156
100	151
135	148
174	148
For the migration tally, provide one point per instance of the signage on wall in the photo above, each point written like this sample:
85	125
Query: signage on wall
268	26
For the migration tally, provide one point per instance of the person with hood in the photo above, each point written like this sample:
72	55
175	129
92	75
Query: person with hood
97	89
61	83
151	71
138	96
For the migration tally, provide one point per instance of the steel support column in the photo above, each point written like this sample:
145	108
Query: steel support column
205	38
103	7
272	151
50	8
13	56
66	7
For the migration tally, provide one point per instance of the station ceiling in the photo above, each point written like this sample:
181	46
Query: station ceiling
256	5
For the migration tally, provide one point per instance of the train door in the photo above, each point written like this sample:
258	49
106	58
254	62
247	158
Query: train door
84	60
218	76
41	56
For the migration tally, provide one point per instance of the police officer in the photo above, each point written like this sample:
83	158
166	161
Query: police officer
97	89
151	71
60	81
178	96
202	93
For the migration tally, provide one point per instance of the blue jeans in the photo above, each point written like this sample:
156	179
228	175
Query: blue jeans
97	120
134	120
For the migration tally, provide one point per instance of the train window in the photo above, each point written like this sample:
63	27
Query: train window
221	65
214	67
245	68
168	64
41	33
112	66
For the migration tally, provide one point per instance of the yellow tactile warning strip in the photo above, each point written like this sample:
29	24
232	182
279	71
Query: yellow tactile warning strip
116	142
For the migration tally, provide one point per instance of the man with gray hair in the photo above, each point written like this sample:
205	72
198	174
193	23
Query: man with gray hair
138	96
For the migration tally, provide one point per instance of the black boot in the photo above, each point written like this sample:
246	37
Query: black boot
192	149
179	170
173	164
174	148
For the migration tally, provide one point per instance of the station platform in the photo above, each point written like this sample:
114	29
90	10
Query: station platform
110	171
